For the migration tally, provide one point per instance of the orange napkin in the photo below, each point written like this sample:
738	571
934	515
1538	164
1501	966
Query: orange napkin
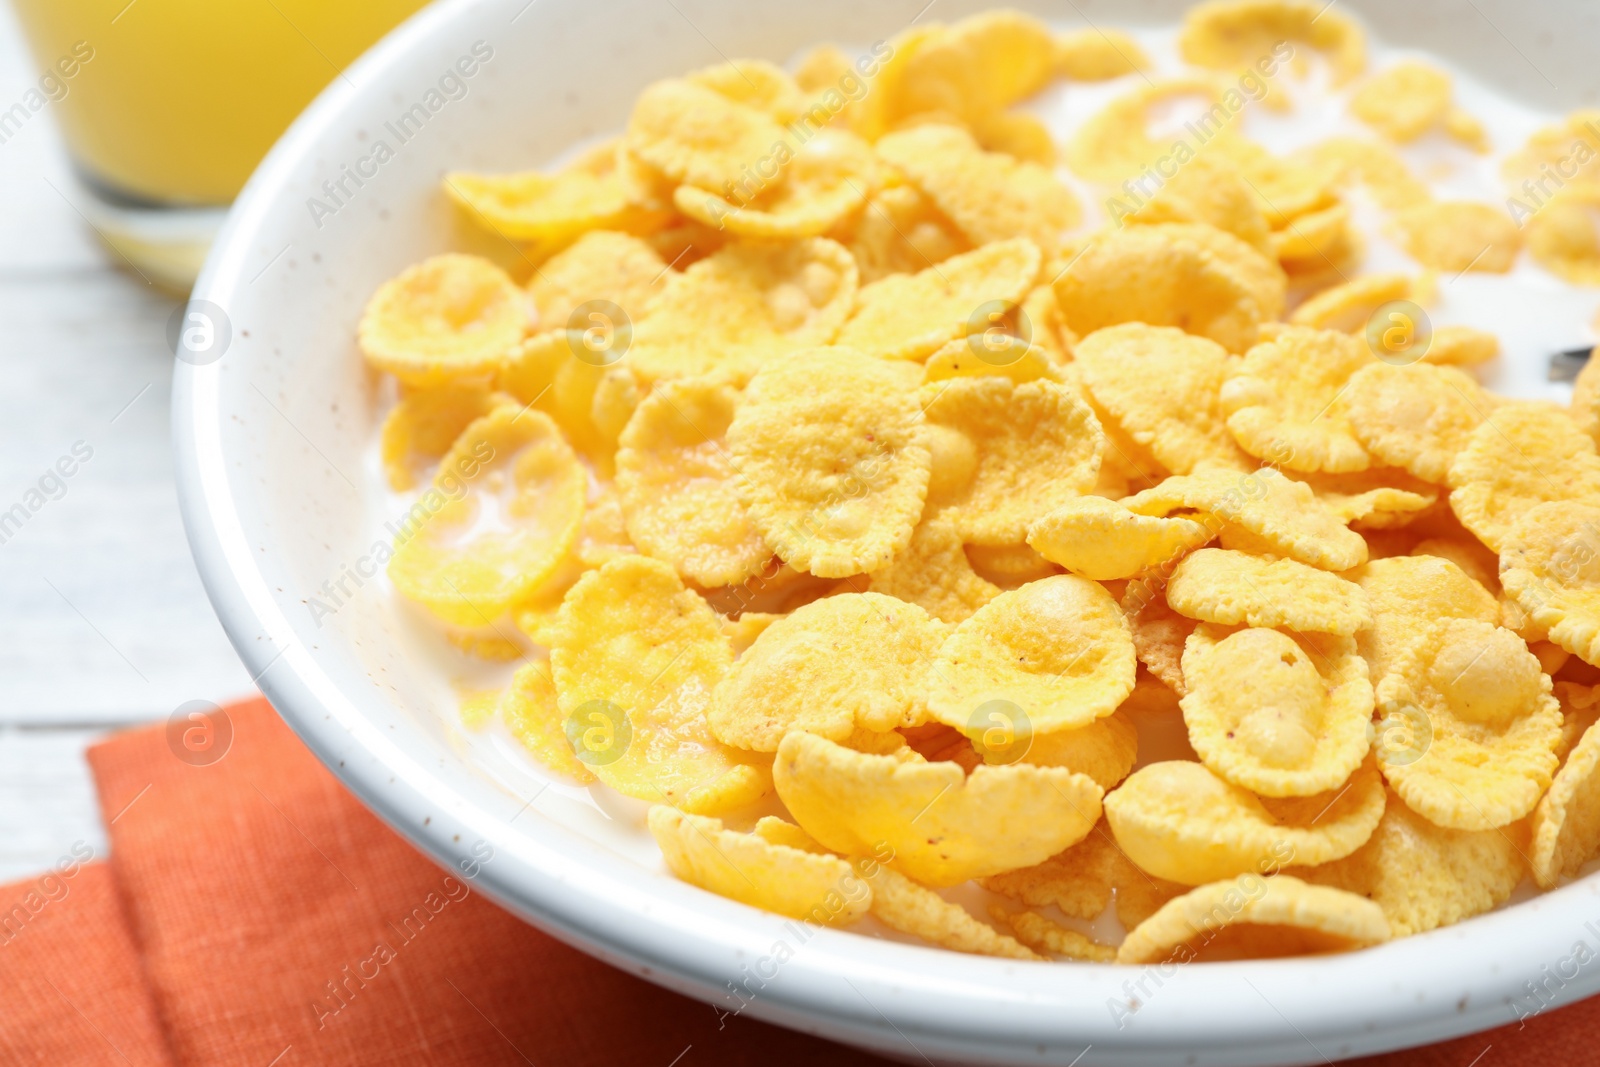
242	921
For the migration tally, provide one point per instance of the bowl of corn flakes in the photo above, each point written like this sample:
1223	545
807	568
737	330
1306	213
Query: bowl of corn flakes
988	534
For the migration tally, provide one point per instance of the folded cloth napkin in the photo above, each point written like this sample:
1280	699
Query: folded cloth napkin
254	914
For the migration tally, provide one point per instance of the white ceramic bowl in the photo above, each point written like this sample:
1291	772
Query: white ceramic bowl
274	441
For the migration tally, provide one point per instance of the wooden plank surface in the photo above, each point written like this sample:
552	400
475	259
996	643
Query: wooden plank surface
103	620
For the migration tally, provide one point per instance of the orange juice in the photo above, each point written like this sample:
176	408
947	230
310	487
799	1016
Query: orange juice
176	101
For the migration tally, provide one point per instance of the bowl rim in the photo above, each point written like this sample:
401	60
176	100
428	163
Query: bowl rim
900	999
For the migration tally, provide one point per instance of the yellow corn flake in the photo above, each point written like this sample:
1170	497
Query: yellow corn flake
616	397
1475	561
1318	244
1570	144
675	480
1009	566
1049	936
908	316
1095	55
1283	515
1181	822
974	67
755	871
697	136
1462	346
1550	567
1566	824
1105	750
1036	445
989	196
1103	540
529	709
1416	417
1425	876
635	660
899	231
1281	401
848	660
1251	917
1058	649
754	83
744	630
420	429
1376	499
1192	276
1159	633
943	825
1238	34
831	460
1016	134
903	905
1349	306
1286	189
1403	102
1162	387
1405	593
1230	588
1116	143
537	614
1006	359
601	265
1083	879
1523	455
1346	161
515	465
448	318
1210	190
489	645
827	180
1562	237
554	208
1474	727
1273	714
933	572
742	307
1459	236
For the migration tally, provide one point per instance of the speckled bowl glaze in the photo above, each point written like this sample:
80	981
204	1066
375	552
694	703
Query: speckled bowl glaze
273	443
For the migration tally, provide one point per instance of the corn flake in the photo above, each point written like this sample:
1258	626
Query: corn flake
989	196
908	316
848	660
1058	648
1036	446
900	232
519	460
697	136
1524	454
903	905
1095	55
943	825
635	660
1273	714
753	870
831	460
1416	417
1182	822
1103	540
1566	824
529	709
675	480
448	318
743	307
1477	726
1237	34
1403	102
827	180
1281	401
1161	386
1550	567
1251	917
1229	588
1425	876
420	429
933	572
1159	633
1459	236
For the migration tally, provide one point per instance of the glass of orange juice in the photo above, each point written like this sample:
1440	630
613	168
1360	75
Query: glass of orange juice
166	106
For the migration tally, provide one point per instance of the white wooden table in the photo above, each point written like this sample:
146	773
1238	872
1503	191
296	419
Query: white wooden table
103	621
